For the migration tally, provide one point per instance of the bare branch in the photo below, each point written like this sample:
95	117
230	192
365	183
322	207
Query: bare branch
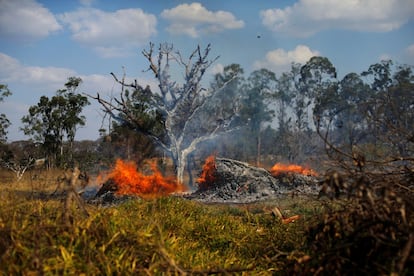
148	55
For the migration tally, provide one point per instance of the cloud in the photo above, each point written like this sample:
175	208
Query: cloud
308	17
12	71
111	34
280	61
26	20
193	19
24	80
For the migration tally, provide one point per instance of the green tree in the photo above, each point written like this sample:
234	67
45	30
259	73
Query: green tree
254	109
4	122
318	79
349	120
123	140
221	106
52	120
394	118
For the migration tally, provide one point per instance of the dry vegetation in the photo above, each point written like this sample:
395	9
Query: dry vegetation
370	232
166	235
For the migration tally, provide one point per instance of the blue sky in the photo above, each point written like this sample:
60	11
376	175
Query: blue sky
42	43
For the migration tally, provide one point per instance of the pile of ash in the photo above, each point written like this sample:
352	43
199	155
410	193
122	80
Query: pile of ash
232	181
228	181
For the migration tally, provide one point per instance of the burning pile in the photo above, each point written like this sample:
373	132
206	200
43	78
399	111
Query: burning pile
125	179
227	180
221	180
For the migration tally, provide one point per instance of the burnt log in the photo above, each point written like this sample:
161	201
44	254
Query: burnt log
107	195
109	186
239	182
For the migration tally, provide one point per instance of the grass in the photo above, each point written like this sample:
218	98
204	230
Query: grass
168	235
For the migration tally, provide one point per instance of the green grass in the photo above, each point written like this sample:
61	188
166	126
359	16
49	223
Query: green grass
168	235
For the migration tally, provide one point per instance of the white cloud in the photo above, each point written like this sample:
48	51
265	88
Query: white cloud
111	34
25	82
12	71
26	20
308	17
280	61
193	19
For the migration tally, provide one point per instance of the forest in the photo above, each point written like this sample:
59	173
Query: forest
356	130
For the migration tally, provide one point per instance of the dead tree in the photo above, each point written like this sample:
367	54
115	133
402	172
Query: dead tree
19	168
183	106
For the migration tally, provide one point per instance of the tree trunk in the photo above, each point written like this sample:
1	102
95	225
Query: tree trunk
181	163
259	145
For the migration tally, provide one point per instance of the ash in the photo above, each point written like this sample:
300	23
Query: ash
239	182
234	182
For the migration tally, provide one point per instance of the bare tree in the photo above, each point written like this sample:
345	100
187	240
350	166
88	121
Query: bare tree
190	113
19	168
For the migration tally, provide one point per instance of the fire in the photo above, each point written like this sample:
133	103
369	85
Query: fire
130	181
207	176
280	168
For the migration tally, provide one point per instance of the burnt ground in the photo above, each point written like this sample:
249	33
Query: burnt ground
232	182
239	182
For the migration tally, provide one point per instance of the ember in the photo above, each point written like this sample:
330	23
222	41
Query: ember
207	177
130	181
280	168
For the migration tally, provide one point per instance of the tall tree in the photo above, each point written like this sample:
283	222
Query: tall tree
4	122
52	120
283	95
182	106
260	84
318	78
348	116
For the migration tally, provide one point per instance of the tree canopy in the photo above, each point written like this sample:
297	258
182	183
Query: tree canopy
55	119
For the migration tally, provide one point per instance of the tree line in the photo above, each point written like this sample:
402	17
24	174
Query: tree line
298	116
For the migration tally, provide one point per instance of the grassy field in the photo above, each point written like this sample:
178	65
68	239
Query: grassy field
169	235
368	233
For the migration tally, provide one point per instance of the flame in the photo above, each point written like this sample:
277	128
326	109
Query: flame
280	168
130	181
207	177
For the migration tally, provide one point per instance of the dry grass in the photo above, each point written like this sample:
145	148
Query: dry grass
168	235
172	235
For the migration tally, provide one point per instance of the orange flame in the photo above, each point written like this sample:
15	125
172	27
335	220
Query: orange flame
130	181
207	177
280	168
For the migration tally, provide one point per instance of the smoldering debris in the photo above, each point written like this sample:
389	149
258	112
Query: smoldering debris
226	180
233	181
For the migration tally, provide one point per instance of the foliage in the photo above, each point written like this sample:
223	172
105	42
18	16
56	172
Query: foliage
371	230
124	140
51	120
4	122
